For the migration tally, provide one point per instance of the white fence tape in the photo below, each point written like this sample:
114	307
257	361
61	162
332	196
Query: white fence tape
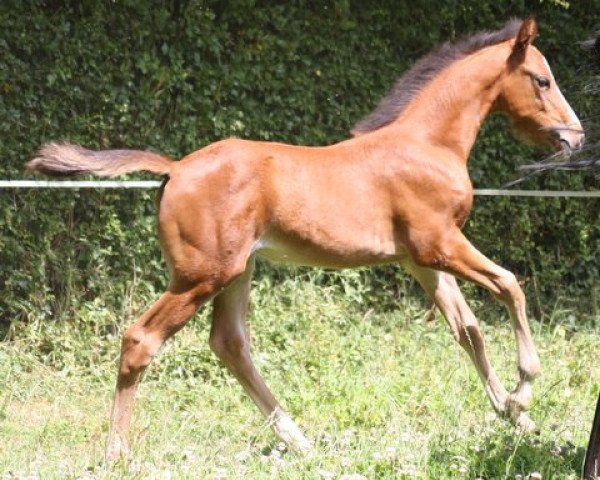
154	184
490	192
78	184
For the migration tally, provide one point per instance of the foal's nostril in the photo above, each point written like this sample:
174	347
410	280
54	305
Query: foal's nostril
578	141
572	141
566	147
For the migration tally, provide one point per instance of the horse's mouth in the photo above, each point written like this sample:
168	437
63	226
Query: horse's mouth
568	140
565	147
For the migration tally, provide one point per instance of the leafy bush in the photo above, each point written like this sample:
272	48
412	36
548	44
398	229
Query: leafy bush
175	76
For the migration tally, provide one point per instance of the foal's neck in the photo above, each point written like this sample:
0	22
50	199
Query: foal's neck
451	109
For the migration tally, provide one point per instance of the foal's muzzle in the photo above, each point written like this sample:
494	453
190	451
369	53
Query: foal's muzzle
570	139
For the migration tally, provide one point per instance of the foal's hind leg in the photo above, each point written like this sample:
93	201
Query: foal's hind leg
141	342
230	341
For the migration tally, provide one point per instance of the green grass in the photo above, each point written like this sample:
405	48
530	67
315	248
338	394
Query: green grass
383	395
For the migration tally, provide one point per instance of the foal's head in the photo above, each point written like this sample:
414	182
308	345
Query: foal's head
531	98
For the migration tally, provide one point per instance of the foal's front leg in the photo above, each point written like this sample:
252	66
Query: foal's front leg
442	288
457	256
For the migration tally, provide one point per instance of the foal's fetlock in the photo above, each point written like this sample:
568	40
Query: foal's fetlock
530	369
520	398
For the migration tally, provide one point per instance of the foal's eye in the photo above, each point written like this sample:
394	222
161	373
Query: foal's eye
543	82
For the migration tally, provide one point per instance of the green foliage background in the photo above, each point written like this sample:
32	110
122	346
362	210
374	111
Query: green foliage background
174	76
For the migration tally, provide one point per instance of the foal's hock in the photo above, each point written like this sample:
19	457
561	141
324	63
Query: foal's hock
397	192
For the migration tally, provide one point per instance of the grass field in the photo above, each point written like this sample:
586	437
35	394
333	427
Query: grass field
382	394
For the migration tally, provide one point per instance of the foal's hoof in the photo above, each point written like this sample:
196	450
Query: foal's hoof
287	430
115	450
301	445
296	441
525	424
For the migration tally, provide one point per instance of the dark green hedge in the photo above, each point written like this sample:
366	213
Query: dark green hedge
175	76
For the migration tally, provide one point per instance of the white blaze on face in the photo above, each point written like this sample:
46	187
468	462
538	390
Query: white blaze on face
573	121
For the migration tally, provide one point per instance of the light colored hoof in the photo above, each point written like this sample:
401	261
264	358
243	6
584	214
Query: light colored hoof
525	424
287	430
116	449
301	445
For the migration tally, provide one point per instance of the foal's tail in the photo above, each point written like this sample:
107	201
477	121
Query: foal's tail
65	160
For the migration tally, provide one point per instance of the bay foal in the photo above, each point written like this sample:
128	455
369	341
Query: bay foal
398	192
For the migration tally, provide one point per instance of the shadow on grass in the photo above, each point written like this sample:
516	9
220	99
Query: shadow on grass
4	329
506	455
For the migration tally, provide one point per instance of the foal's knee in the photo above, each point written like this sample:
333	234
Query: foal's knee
138	349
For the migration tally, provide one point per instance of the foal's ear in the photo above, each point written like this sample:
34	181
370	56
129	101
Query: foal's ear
526	35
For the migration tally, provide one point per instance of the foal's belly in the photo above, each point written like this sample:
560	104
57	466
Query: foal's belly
360	250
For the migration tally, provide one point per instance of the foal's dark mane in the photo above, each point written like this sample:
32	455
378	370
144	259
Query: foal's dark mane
425	70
